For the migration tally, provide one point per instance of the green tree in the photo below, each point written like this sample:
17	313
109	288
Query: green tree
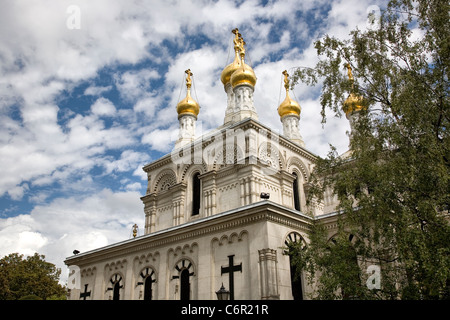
28	277
394	189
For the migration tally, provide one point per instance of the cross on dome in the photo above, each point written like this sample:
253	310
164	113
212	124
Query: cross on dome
354	102
188	106
238	72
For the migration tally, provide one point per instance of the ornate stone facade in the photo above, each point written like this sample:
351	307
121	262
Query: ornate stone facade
208	220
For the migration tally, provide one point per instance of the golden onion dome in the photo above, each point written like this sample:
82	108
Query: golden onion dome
229	70
243	75
353	103
288	106
188	106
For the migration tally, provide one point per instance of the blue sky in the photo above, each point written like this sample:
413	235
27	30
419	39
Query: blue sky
83	109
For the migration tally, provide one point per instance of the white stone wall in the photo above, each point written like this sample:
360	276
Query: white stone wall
257	245
291	129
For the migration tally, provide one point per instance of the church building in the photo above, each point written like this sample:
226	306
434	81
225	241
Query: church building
220	209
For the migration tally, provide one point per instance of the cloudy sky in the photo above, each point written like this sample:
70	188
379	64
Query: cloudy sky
88	91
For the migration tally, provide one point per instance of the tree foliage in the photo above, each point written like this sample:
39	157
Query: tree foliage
394	190
30	278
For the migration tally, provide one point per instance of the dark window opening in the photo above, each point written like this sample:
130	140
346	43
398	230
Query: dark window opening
148	288
295	242
296	282
116	292
185	285
295	192
195	194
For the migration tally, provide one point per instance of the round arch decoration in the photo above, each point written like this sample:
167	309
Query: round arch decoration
228	155
297	163
115	286
189	169
182	265
270	154
145	273
164	180
350	236
293	238
116	278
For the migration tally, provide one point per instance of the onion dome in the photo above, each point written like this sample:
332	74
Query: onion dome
244	74
288	106
232	67
353	104
188	106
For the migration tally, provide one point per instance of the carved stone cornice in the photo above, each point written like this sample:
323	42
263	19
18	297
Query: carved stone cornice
246	124
149	197
253	124
158	163
262	211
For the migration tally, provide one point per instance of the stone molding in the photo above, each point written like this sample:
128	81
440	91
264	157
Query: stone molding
260	212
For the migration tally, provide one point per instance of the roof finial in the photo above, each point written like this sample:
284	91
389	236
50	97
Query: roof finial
242	48
286	80
349	72
135	227
237	36
243	73
188	78
232	67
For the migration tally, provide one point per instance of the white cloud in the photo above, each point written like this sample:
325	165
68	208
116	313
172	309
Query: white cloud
96	90
129	160
132	85
161	139
148	104
38	151
136	186
16	193
17	235
103	107
346	15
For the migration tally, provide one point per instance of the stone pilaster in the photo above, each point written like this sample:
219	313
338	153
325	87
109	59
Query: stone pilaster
268	274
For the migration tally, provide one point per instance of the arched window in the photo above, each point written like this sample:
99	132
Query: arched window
146	278
295	192
185	285
292	240
196	194
116	292
148	288
116	284
185	270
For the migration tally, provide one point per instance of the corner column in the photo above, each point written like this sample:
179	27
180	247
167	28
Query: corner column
268	274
